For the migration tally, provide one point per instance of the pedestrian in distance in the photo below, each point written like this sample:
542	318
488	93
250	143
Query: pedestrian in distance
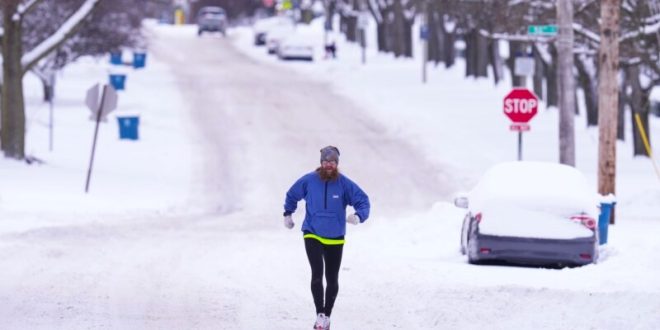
331	50
327	193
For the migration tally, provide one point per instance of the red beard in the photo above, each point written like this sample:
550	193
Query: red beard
328	174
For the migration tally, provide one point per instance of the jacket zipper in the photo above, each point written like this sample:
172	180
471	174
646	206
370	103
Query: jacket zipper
325	200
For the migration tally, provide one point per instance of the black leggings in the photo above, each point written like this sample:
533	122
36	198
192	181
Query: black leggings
331	254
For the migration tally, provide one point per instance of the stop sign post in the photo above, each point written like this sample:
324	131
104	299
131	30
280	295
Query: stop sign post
520	105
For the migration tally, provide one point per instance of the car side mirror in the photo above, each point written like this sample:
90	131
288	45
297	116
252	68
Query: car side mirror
461	202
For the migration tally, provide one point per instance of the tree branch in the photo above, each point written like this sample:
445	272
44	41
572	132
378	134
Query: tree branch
643	30
516	37
65	31
577	28
25	8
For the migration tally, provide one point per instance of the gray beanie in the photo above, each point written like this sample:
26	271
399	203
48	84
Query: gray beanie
330	153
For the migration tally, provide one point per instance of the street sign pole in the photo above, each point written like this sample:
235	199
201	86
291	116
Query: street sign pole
51	96
519	145
50	121
96	133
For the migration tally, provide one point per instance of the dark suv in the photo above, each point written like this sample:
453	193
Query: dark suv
211	19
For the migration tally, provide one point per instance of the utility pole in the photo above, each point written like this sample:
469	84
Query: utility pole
566	83
608	96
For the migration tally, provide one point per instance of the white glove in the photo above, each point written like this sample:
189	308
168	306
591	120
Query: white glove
288	221
353	219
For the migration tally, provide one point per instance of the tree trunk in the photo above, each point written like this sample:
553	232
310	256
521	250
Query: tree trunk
13	107
436	40
551	83
400	30
350	27
515	49
329	14
608	95
388	32
381	37
624	100
471	54
496	60
407	38
48	90
482	54
639	105
588	85
450	49
538	75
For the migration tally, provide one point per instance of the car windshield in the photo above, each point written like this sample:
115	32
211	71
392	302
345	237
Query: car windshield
211	11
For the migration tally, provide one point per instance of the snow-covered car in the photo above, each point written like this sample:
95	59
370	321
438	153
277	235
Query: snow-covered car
530	213
276	35
211	19
263	26
296	47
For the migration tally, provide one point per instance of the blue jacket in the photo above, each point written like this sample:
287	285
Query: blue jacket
325	203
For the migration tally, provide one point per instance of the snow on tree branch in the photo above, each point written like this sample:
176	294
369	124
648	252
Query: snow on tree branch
27	7
544	53
644	30
374	6
539	3
652	20
578	28
62	34
24	8
516	37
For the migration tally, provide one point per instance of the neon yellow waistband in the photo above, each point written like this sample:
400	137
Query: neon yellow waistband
325	241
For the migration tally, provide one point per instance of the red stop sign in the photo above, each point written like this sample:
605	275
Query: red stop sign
520	105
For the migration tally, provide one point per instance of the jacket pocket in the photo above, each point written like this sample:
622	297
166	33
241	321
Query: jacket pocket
327	224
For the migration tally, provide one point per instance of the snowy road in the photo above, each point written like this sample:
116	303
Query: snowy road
263	126
257	129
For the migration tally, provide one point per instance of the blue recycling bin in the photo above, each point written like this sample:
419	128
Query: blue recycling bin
139	60
424	32
606	209
128	127
118	81
115	58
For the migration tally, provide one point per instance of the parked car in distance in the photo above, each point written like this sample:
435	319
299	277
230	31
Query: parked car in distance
211	19
263	26
298	46
276	35
530	213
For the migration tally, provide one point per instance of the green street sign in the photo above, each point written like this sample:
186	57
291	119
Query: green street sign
543	30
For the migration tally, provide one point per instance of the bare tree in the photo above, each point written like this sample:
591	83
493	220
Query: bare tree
113	25
16	62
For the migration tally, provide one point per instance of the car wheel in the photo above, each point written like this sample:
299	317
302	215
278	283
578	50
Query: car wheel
472	258
471	248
